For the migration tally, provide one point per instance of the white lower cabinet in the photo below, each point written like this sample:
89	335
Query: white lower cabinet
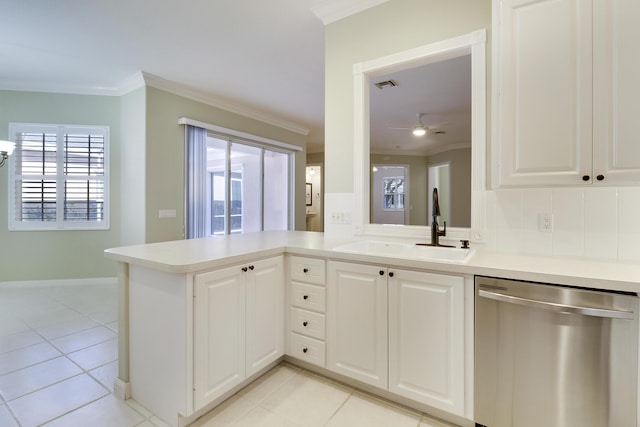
219	333
399	330
357	322
426	338
238	325
265	314
306	312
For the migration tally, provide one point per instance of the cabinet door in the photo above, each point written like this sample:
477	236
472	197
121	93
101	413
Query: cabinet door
544	91
616	71
426	338
357	322
265	313
219	333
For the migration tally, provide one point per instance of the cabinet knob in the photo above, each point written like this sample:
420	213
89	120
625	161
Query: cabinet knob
391	274
304	350
244	269
381	272
305	297
251	267
586	177
305	323
305	270
600	177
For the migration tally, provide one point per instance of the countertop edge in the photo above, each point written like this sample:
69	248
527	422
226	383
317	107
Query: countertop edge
579	272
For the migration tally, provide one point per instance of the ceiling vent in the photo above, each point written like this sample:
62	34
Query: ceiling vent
386	84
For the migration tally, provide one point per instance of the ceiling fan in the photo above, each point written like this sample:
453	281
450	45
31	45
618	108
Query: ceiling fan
420	129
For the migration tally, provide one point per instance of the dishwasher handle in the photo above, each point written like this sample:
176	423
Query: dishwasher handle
559	308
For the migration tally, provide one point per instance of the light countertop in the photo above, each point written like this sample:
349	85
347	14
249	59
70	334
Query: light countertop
188	256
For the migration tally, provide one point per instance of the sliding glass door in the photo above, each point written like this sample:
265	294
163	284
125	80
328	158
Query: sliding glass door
248	187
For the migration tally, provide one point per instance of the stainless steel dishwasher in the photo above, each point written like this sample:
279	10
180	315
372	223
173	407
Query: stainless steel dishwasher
554	356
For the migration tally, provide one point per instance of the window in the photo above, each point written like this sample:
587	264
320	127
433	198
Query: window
257	187
58	177
393	188
218	197
235	182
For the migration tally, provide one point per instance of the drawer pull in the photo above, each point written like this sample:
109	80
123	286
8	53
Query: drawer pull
305	323
305	270
244	269
251	267
304	350
305	297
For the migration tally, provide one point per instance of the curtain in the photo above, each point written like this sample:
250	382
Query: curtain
196	182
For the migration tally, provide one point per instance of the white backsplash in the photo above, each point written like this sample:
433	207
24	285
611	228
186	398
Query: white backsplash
600	223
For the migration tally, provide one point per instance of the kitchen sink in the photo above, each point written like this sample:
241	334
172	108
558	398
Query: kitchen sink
407	250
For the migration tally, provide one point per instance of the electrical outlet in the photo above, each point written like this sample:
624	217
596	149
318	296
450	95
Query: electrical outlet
340	217
545	222
167	213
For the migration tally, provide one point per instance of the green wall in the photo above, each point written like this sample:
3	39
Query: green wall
147	174
460	181
391	27
132	167
40	255
165	157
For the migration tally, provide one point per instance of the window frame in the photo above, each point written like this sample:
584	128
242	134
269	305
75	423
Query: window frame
60	223
395	194
230	176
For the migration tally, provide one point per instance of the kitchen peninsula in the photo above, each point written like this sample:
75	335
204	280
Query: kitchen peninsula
200	319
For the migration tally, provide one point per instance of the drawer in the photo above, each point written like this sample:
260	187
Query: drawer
309	297
308	270
308	349
307	323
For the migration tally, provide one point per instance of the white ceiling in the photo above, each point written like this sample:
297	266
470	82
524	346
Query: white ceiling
264	56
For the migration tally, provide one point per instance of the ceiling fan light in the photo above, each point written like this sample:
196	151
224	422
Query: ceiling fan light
419	131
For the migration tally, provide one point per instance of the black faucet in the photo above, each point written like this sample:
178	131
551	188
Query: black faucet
435	228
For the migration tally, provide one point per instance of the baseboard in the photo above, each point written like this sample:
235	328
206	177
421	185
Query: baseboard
59	282
121	389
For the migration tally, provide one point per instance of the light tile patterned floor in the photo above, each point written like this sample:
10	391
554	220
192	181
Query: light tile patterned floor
58	360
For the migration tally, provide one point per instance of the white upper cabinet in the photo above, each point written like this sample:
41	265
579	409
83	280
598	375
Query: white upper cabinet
616	73
565	79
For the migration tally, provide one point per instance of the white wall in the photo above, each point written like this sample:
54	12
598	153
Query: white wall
595	222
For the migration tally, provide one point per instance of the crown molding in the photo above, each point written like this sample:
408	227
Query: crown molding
329	11
51	87
142	79
215	101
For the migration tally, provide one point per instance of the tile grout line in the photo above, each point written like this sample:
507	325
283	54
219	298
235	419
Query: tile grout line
65	355
339	408
87	372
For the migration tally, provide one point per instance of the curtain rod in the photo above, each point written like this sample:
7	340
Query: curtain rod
237	134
